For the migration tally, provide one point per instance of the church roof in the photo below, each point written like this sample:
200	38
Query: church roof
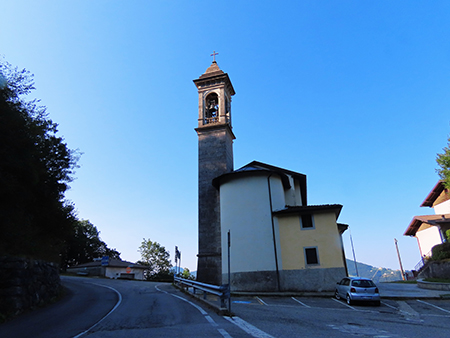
258	168
212	70
214	74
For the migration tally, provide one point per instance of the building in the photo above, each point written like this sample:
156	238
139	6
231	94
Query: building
279	242
429	230
111	268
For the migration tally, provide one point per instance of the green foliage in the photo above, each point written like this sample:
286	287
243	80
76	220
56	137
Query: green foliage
186	274
447	235
443	160
440	251
155	256
35	169
85	244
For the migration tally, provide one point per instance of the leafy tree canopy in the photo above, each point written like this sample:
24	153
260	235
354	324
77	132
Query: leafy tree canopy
155	256
443	160
85	244
35	169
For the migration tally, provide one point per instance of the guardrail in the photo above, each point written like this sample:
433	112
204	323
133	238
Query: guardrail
222	291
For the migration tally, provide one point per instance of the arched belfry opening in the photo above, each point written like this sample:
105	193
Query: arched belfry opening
211	108
215	158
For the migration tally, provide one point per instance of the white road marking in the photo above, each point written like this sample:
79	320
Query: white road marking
408	312
261	301
249	328
392	307
224	333
203	312
351	307
115	307
300	302
437	307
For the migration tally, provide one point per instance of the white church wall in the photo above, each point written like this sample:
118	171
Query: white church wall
245	211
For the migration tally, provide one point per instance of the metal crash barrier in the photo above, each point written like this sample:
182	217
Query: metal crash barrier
222	291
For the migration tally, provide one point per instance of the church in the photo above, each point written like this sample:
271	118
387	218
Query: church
278	243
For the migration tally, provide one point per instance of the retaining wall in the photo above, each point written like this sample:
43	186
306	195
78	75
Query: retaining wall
26	283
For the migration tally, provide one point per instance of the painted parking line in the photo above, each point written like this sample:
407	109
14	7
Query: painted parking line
435	306
392	307
300	302
261	301
351	307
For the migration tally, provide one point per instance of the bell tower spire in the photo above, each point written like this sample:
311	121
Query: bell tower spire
215	158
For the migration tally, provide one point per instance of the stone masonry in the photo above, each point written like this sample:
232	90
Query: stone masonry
26	284
215	158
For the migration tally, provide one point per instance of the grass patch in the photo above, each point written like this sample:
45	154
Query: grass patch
437	280
404	281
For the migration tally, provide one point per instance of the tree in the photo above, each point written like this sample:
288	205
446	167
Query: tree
443	160
155	256
85	244
186	274
36	167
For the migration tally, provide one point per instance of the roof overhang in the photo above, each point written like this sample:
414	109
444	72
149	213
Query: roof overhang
433	195
310	209
420	223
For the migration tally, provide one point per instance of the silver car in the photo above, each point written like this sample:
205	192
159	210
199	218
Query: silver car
354	289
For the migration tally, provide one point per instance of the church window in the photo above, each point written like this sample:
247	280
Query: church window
307	222
211	108
311	256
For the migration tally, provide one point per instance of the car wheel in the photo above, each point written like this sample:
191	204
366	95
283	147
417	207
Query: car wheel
349	300
336	294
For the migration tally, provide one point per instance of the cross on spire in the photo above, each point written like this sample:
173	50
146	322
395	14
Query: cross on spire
214	56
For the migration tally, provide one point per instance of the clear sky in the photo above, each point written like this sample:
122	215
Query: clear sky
354	94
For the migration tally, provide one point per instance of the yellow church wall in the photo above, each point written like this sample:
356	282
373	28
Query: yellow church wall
324	236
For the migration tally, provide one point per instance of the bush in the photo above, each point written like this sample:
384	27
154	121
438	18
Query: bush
441	251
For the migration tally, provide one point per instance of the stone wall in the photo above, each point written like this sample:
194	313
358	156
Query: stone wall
26	283
436	269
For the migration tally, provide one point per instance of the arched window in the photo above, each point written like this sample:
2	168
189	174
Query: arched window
212	108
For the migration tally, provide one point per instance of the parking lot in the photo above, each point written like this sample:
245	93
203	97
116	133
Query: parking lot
315	316
428	307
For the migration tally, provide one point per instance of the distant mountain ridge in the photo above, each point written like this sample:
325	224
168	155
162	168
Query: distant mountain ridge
375	274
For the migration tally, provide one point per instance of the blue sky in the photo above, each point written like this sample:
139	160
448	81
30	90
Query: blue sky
354	94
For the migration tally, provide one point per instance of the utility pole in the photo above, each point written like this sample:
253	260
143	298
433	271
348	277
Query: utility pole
399	259
353	250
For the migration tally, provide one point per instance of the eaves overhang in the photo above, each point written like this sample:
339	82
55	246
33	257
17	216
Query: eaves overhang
433	195
428	221
310	209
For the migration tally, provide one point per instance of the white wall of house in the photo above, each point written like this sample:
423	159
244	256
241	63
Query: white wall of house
245	211
428	238
442	208
113	272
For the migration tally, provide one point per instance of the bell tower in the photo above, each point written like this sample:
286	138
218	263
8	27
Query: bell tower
215	158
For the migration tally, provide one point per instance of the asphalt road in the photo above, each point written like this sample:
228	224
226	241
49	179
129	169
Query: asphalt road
84	304
101	308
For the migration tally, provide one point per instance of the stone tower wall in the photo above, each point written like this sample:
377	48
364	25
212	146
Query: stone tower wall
215	152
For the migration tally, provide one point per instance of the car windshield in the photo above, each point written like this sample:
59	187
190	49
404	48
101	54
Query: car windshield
363	283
